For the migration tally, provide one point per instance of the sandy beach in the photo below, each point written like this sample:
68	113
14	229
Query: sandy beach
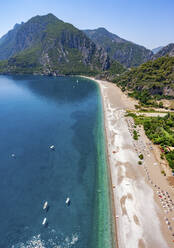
143	198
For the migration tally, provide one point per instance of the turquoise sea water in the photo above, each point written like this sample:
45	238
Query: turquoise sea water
36	112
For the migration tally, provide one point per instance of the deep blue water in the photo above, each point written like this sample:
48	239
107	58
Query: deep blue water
36	112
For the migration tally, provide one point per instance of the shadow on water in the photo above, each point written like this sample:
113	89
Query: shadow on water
60	89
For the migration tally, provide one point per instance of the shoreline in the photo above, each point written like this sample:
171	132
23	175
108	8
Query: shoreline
110	184
137	224
108	168
104	229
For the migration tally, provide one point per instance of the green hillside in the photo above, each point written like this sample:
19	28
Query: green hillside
150	81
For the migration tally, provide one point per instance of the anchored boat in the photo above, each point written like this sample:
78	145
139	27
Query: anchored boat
52	147
44	223
13	155
45	206
68	201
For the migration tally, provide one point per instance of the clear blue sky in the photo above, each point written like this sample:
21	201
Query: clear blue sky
145	22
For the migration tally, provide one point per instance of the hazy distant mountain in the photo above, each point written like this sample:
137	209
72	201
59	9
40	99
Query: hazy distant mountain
157	49
47	45
167	50
126	52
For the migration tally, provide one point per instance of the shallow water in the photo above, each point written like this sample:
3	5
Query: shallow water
36	112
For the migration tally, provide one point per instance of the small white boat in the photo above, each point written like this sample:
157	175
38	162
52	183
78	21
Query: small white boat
13	155
68	201
44	222
45	206
52	147
77	81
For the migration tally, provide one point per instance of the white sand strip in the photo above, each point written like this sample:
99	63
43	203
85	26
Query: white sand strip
138	223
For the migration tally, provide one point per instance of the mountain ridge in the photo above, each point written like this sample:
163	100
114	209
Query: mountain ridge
166	50
157	49
47	45
126	52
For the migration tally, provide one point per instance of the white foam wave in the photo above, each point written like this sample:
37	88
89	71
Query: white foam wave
74	239
37	242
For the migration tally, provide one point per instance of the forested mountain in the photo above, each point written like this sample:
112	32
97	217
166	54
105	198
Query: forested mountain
126	52
47	45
